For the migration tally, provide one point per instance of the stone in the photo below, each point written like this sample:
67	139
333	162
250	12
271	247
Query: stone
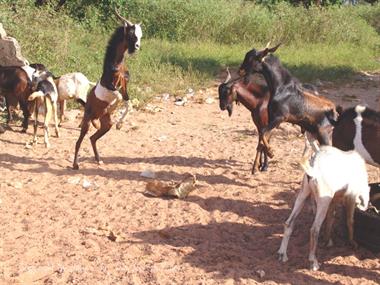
10	51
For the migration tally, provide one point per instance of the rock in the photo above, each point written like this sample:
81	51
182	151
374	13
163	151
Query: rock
209	100
17	185
74	180
147	173
10	51
86	184
162	138
318	82
180	101
190	92
165	96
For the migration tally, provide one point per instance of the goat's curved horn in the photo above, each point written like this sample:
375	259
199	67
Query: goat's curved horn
268	45
228	76
121	18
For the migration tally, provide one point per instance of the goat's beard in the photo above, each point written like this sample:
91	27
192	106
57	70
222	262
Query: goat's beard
229	109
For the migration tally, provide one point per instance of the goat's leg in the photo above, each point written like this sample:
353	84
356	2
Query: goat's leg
350	209
256	166
85	125
26	114
105	126
62	108
323	204
9	109
289	224
264	165
266	134
259	149
35	124
55	114
120	122
329	223
48	108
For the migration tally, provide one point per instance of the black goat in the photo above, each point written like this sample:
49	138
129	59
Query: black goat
289	101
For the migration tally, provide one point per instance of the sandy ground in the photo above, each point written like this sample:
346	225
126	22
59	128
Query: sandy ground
96	226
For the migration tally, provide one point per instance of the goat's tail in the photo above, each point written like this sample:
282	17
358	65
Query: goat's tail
305	164
35	95
81	101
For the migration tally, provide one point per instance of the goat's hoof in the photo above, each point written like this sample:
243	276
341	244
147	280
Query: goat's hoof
264	168
330	243
282	257
314	265
47	145
270	153
75	166
57	134
119	126
100	162
23	130
354	244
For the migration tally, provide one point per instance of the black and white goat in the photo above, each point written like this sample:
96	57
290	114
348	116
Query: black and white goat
46	96
331	175
359	128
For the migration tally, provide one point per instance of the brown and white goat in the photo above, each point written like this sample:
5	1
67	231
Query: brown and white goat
46	97
359	128
330	176
104	97
73	85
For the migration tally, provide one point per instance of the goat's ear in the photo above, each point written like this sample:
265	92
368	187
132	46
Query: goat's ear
339	109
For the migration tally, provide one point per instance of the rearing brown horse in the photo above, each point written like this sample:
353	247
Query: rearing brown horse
103	98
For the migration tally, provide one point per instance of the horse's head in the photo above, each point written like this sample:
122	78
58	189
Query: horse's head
253	60
227	94
132	34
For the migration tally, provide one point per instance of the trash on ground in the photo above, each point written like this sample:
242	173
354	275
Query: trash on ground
180	190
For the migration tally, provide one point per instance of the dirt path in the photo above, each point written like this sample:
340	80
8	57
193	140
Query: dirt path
55	231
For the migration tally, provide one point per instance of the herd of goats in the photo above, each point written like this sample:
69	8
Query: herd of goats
335	173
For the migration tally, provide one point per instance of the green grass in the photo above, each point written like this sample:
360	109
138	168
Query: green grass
65	45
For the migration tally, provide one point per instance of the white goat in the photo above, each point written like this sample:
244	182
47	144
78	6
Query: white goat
72	86
330	175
